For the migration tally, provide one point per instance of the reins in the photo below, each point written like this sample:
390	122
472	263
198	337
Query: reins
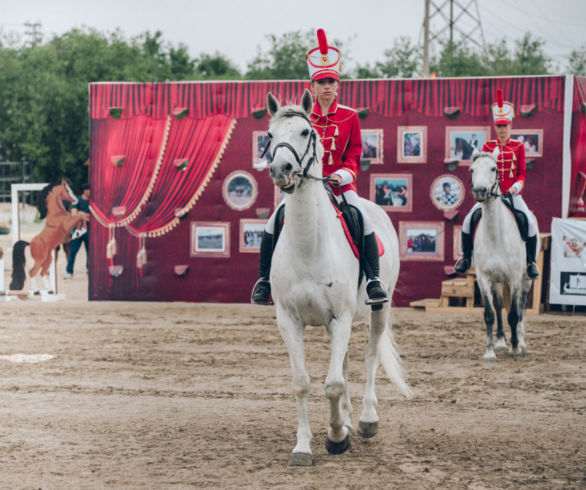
312	143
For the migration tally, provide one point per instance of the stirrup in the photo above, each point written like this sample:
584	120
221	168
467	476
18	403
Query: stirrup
532	270
261	292
376	293
462	266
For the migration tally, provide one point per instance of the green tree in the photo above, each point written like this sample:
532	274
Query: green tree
530	57
286	57
458	60
401	61
44	91
216	67
577	61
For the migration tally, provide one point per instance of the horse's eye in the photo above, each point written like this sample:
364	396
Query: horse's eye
305	132
494	169
471	170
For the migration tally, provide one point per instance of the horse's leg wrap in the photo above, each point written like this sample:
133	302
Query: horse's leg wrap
262	288
467	245
370	263
531	248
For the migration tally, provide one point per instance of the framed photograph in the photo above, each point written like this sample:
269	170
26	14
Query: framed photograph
251	231
532	140
461	141
372	145
458	252
239	190
421	240
393	192
210	239
411	144
260	141
447	192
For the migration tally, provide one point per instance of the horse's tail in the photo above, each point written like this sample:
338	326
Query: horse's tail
391	362
18	265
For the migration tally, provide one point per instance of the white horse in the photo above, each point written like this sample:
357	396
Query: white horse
499	257
314	278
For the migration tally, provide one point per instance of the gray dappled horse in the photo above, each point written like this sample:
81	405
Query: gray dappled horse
499	257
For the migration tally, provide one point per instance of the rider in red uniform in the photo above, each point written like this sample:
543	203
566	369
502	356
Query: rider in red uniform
339	131
512	173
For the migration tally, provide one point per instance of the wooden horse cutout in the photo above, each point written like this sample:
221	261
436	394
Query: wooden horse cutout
314	278
59	223
499	257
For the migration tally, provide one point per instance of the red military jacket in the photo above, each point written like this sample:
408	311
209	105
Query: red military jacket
339	133
511	162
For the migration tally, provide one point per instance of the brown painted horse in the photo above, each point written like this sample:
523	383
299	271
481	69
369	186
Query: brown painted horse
58	225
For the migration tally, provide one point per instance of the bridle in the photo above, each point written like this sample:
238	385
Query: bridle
495	190
311	145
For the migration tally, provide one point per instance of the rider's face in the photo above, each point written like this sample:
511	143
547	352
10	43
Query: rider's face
326	89
503	131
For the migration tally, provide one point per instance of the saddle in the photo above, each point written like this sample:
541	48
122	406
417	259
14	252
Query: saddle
520	218
350	219
351	222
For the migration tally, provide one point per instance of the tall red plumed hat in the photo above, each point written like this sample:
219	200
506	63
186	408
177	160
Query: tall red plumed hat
502	112
324	61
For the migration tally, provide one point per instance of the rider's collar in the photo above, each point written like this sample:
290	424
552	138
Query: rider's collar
317	109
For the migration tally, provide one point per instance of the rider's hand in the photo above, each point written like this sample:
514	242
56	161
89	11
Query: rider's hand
513	190
335	180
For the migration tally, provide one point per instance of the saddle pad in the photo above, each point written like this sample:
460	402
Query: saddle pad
519	216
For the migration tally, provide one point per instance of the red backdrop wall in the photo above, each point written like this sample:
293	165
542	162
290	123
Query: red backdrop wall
159	151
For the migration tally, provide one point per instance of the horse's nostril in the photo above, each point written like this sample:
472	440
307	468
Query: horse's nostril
271	171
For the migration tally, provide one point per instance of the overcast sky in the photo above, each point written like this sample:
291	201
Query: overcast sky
236	28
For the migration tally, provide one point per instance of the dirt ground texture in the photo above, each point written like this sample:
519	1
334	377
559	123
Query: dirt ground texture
176	395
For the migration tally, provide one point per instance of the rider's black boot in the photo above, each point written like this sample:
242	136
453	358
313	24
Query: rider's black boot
262	288
464	262
531	248
374	288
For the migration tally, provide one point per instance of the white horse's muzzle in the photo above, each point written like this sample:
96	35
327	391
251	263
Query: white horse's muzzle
283	176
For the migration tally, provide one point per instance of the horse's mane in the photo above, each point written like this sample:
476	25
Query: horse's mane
482	154
42	200
291	111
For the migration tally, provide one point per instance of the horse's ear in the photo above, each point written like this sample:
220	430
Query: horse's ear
306	102
495	153
475	154
272	104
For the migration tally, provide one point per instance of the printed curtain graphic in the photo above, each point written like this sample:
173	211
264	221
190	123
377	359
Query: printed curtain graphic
161	154
568	262
388	98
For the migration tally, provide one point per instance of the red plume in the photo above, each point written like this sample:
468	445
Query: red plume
322	41
499	97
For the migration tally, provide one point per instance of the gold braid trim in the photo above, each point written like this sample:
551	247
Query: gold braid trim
175	221
131	217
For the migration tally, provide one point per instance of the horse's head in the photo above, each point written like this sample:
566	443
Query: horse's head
294	144
64	192
484	175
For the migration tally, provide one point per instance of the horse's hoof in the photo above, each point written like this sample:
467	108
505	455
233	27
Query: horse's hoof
367	429
338	447
300	459
517	352
501	345
489	357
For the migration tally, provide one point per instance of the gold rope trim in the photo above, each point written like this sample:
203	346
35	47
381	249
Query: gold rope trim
131	217
175	221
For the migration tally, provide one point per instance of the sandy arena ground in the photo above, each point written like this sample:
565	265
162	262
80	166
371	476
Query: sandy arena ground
145	395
